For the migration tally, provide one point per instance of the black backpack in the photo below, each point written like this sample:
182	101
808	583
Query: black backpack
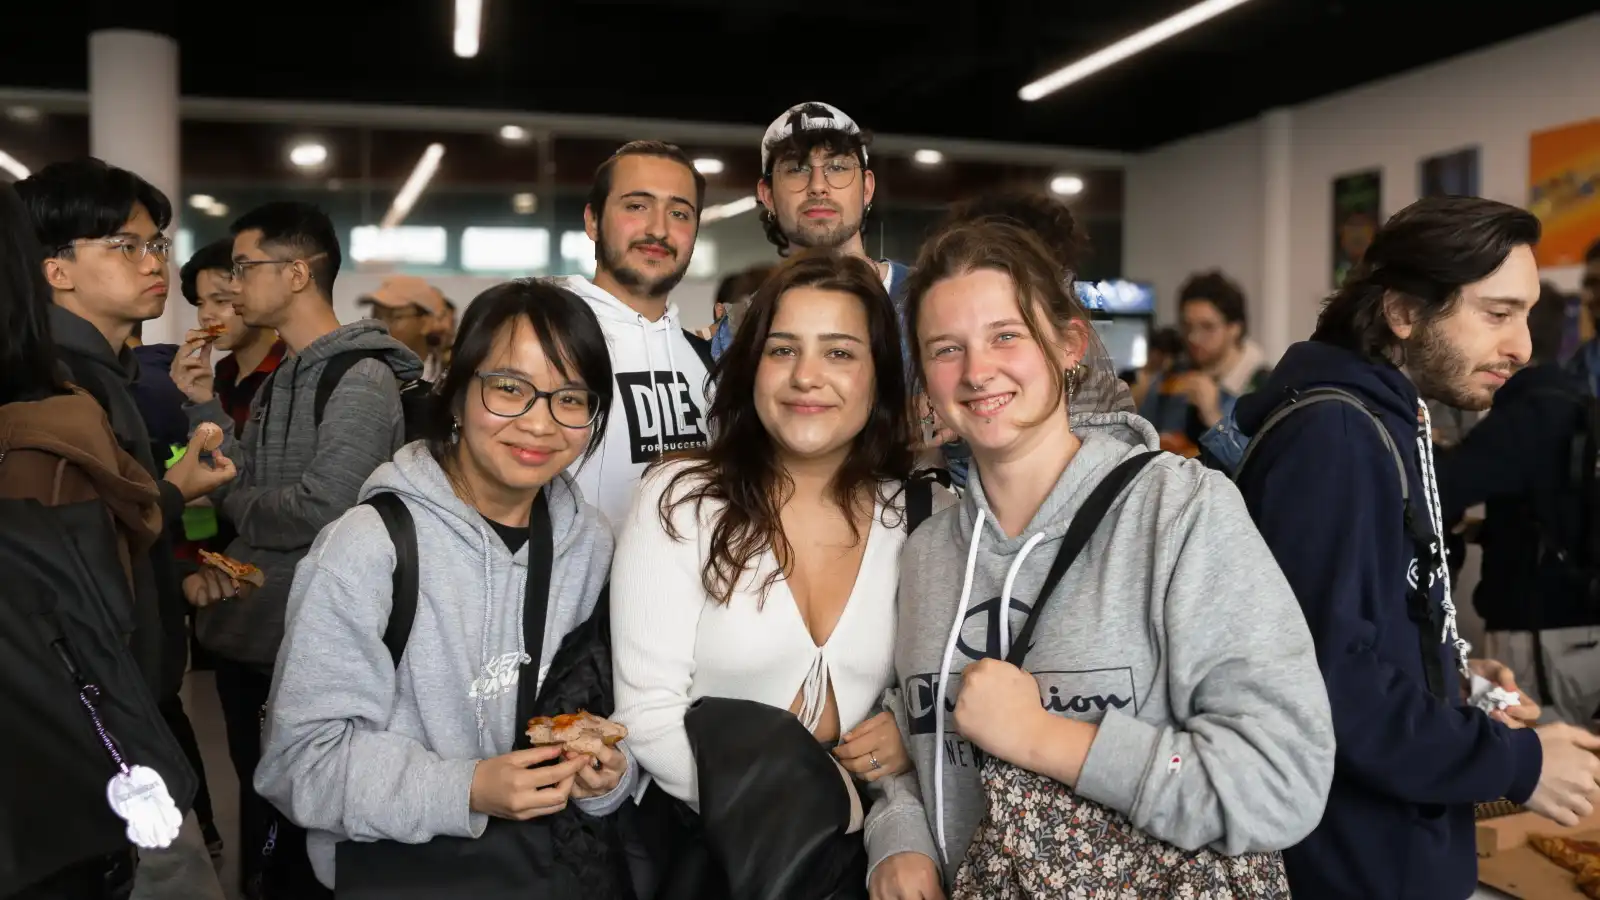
415	395
64	627
1582	476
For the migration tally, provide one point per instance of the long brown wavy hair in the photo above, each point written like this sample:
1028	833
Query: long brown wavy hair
740	470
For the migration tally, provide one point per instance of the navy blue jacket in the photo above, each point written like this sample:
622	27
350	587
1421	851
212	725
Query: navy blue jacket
1325	493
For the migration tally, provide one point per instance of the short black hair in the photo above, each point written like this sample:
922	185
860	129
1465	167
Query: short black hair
600	188
1220	291
27	354
568	334
1423	256
216	256
798	145
304	230
86	198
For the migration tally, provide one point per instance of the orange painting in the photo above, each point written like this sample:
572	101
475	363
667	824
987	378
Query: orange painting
1564	190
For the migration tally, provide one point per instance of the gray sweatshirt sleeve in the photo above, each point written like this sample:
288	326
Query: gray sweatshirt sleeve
897	821
1250	766
327	763
358	432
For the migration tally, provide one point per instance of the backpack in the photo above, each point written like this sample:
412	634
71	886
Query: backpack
415	395
1419	606
1583	477
64	627
919	495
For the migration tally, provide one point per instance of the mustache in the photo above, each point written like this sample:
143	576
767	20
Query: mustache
1505	370
655	242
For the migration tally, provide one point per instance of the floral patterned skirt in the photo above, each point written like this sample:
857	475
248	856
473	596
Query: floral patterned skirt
1040	840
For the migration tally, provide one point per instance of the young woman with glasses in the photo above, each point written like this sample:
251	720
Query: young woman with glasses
430	750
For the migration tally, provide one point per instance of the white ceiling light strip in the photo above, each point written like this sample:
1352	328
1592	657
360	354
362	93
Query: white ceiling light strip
414	186
729	210
1128	46
9	163
469	25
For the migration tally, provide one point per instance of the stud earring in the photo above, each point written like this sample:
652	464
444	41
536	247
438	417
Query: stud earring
455	431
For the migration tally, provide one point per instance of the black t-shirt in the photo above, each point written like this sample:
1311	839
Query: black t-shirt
513	536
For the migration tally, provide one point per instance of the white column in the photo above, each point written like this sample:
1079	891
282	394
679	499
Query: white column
133	124
1277	171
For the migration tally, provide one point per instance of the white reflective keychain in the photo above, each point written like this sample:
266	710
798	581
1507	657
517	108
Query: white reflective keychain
137	794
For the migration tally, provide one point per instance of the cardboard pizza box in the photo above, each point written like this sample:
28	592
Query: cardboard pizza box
1507	863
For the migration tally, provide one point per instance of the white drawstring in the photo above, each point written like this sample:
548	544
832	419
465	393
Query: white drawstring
672	367
1430	483
1005	594
483	637
944	680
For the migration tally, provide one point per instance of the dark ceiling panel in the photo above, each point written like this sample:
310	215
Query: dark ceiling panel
904	67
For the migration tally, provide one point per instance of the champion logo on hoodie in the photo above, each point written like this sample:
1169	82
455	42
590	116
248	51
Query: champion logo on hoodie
662	413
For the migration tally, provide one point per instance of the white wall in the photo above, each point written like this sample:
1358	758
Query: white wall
1198	203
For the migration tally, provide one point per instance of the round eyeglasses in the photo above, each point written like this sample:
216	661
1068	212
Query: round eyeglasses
796	176
509	396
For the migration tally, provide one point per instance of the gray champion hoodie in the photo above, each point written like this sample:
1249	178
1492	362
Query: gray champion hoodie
295	476
1174	631
355	750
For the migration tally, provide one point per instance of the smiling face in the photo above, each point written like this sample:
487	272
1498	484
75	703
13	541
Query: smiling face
1463	357
501	455
988	378
815	384
644	237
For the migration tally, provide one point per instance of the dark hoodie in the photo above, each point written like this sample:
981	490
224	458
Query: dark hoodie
1324	491
109	377
1517	462
296	476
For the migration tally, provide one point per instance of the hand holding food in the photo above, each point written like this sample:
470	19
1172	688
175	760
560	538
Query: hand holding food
194	477
579	732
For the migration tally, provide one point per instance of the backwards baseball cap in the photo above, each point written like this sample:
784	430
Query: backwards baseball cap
806	117
401	291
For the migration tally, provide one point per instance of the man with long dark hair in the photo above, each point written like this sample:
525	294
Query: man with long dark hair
1346	495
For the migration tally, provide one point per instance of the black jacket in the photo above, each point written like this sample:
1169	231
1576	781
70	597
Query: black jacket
1516	462
158	594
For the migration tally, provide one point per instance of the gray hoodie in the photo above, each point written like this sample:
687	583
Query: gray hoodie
295	477
357	750
1174	631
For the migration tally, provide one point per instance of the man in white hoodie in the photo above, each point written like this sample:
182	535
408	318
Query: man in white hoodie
643	215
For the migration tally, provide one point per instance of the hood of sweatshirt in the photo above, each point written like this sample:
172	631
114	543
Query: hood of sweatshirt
1136	639
73	428
660	401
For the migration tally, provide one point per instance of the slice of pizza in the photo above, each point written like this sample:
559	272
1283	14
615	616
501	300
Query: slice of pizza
1568	853
242	572
579	732
214	331
1589	881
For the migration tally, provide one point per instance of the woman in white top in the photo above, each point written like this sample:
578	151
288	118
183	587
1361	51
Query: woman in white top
765	567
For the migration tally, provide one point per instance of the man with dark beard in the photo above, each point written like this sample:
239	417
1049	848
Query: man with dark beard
1345	492
643	214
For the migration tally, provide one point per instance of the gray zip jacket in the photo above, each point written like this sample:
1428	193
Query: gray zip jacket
358	750
295	477
1174	631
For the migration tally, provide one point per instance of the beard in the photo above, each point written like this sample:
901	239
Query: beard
820	235
613	260
1442	372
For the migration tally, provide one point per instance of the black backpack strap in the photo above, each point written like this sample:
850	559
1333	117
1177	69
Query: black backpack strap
918	491
1083	526
332	372
1311	397
535	608
403	534
702	348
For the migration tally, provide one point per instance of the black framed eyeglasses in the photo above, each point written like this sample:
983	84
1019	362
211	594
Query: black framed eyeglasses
242	266
510	396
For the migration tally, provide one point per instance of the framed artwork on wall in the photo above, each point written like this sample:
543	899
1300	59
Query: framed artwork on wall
1564	190
1449	174
1357	213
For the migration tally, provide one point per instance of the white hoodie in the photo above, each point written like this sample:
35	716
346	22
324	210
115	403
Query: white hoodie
660	402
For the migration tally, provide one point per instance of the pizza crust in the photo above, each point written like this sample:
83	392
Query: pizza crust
579	732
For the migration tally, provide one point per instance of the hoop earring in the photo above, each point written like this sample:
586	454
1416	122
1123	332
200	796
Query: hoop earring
1075	377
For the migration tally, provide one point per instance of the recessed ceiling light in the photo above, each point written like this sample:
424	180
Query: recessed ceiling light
514	134
525	204
708	166
202	201
308	155
23	113
217	209
1066	185
927	157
